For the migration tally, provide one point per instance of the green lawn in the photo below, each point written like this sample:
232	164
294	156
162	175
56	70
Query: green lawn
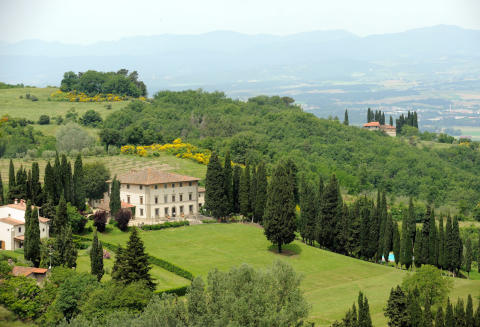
121	164
331	281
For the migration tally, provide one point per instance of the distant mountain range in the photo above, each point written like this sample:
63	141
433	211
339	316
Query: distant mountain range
250	64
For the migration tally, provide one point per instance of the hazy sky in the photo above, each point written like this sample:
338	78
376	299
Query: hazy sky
87	21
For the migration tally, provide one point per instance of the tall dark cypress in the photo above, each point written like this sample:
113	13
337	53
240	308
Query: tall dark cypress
460	314
237	171
417	250
345	120
35	186
49	188
253	192
79	191
96	258
66	169
449	317
468	256
308	212
427	319
11	183
414	309
439	319
449	245
388	238
329	214
228	184
391	121
432	240
2	194
244	192
215	199
425	247
57	174
261	198
70	252
469	319
397	250
364	318
27	217
115	203
406	248
60	221
32	234
396	309
457	246
279	218
441	245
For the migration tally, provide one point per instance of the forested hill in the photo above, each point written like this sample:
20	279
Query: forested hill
267	128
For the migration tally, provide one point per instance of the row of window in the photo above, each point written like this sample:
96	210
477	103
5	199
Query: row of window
164	185
165	198
167	211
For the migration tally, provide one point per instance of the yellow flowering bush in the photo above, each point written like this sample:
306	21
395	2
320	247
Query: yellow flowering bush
177	148
74	96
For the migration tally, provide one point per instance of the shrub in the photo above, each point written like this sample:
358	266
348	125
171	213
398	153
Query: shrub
86	152
91	118
32	153
100	220
33	98
167	224
72	136
179	291
98	150
113	150
122	217
48	154
44	120
77	221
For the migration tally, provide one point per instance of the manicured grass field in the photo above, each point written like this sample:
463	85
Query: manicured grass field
331	281
120	164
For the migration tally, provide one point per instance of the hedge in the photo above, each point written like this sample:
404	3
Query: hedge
167	224
153	260
179	291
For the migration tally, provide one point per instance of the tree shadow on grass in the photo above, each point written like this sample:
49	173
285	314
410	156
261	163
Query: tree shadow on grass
288	250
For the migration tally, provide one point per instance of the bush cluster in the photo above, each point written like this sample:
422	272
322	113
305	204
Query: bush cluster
167	224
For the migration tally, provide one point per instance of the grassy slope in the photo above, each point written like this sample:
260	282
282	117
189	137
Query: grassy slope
331	281
11	104
121	164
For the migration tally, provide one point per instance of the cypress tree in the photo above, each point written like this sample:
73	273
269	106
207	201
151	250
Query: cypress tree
396	309
449	317
215	198
345	120
2	195
253	192
469	319
432	240
49	183
65	176
417	250
70	252
261	197
27	217
380	235
391	121
28	184
477	317
308	212
32	238
57	174
244	192
293	178
134	262
79	192
330	214
478	256
228	184
407	244
96	258
61	217
364	318
388	238
449	245
441	245
439	321
396	243
11	183
460	314
425	245
35	186
457	246
115	203
468	256
279	219
237	171
21	184
414	309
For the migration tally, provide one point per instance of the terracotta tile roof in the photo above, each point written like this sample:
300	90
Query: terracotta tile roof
127	205
201	189
22	206
387	127
11	221
43	219
150	176
372	124
26	271
20	238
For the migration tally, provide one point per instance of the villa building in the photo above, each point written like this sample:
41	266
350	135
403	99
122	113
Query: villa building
387	129
157	194
12	226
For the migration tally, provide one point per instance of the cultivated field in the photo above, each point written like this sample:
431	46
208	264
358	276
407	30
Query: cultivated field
119	164
331	281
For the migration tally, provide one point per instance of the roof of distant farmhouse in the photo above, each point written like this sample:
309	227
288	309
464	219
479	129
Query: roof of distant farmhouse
151	176
25	271
387	127
372	124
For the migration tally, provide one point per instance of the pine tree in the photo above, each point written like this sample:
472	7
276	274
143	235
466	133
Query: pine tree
396	309
215	198
439	321
237	171
2	194
417	250
345	120
261	197
330	214
96	258
27	217
449	317
228	184
32	238
244	192
279	218
11	183
469	319
396	243
133	263
253	192
79	192
460	314
468	256
115	203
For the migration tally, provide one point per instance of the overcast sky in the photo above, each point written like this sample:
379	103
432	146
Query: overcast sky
87	21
